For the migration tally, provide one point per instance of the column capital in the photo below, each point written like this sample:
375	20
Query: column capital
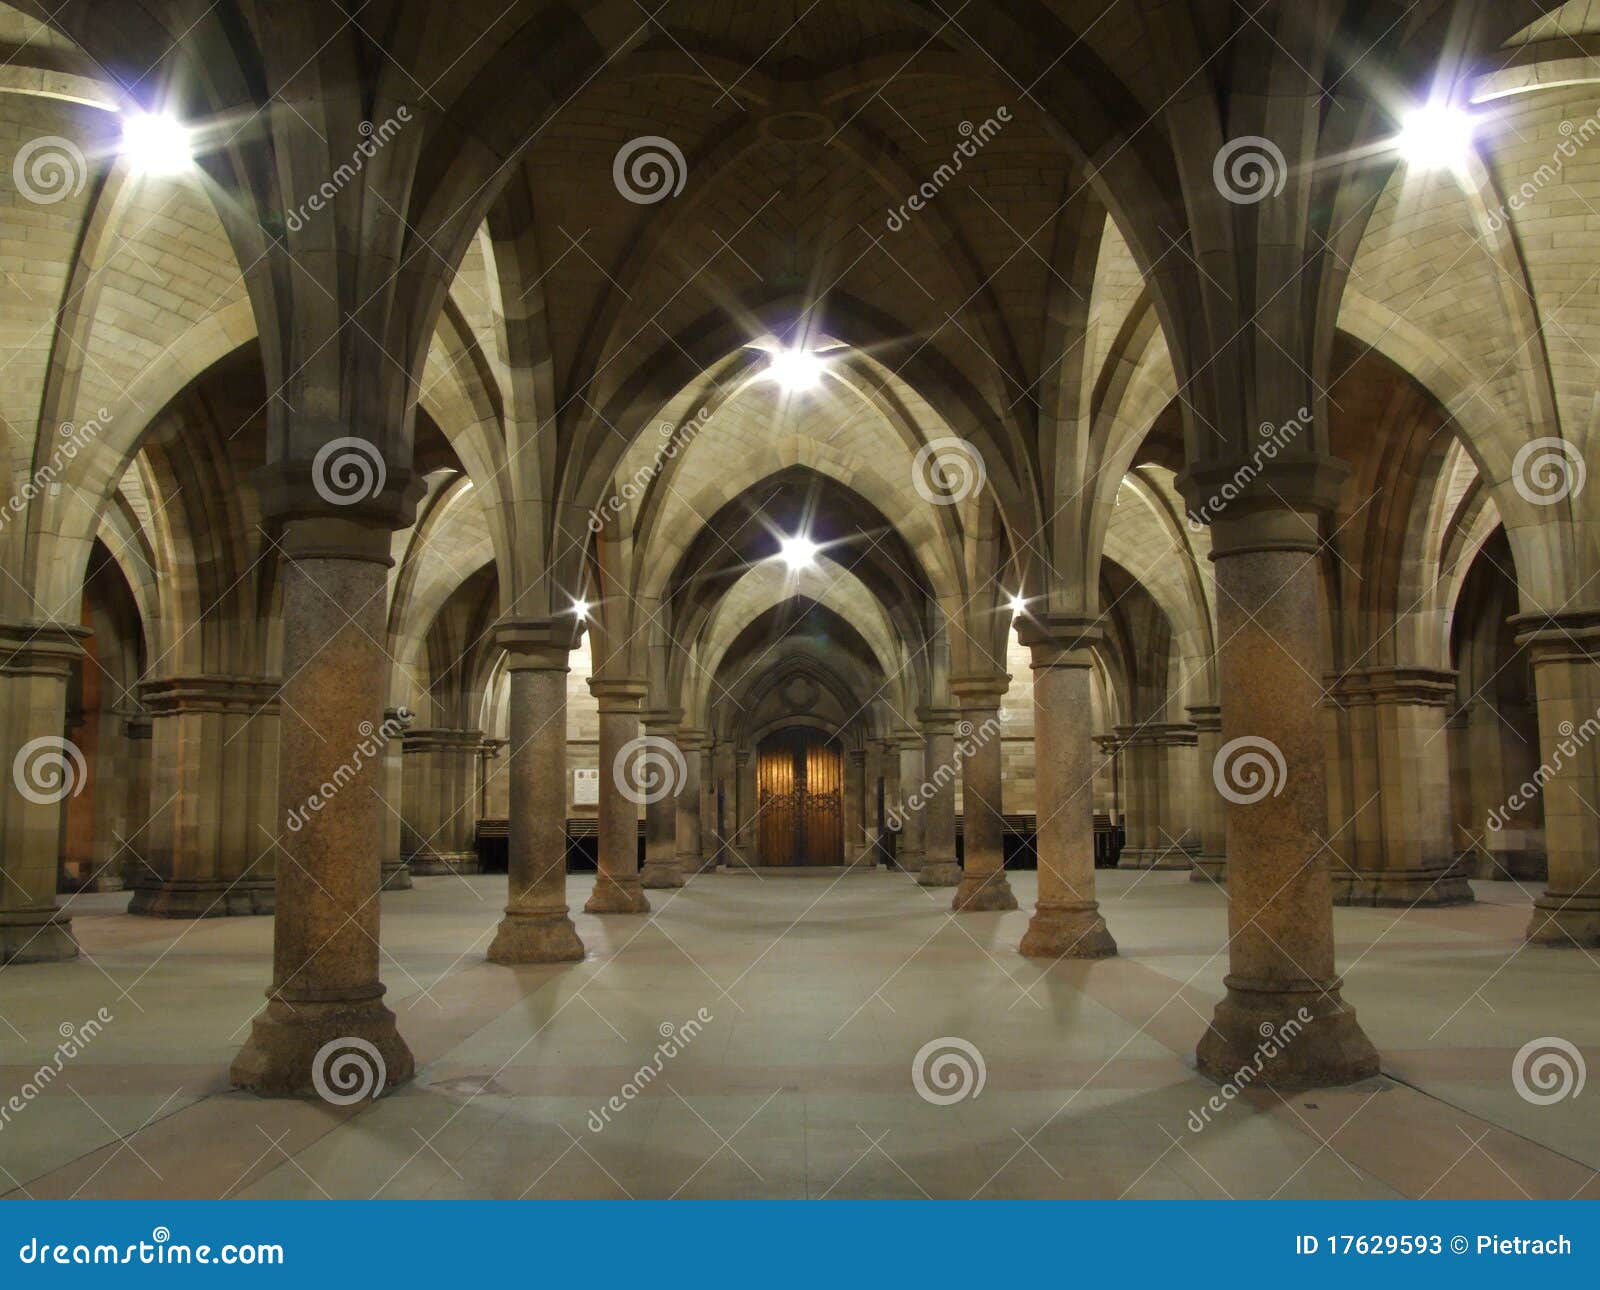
661	721
622	695
1570	637
1262	502
907	740
980	692
1108	744
1365	686
694	739
537	644
350	482
1207	717
365	539
938	721
168	696
40	649
1060	640
857	756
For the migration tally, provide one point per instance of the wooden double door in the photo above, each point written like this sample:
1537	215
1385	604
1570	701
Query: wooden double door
799	799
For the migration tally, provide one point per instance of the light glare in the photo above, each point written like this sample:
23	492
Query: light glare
1436	137
798	552
156	145
580	608
795	370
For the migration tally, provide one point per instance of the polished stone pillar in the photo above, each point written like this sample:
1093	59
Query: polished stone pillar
537	927
1281	980
1389	789
749	808
1565	652
1066	922
1211	859
1156	825
941	769
40	771
325	985
439	808
910	851
395	869
624	782
983	875
661	867
856	850
692	745
209	847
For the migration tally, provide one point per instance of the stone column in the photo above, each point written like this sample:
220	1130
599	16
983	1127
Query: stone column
661	868
1565	652
1211	861
1152	804
909	849
691	745
708	808
395	870
537	927
439	806
208	850
940	770
1389	789
1280	897
749	837
627	768
325	987
855	807
983	875
41	770
1066	922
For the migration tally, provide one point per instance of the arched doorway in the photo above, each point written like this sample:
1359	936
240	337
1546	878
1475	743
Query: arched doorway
799	799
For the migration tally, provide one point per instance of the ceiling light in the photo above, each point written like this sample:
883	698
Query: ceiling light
795	370
798	552
156	145
1018	604
1436	137
580	608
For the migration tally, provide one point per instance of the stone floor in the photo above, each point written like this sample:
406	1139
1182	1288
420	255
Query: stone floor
821	991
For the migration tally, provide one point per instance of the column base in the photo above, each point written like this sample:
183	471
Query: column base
1287	1037
36	936
545	937
1163	858
939	873
1209	869
1067	931
396	876
435	864
696	864
910	864
1565	921
983	892
285	1055
1402	887
660	874
184	898
617	896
